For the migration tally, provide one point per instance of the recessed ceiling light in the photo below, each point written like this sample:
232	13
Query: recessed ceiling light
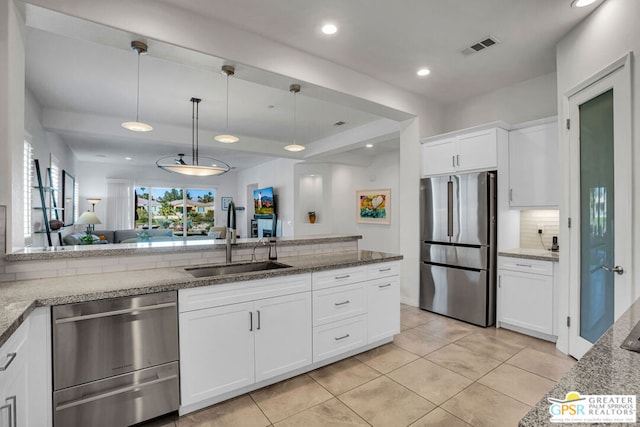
329	29
581	3
128	158
423	72
369	145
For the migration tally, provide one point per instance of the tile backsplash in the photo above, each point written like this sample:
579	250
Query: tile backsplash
531	220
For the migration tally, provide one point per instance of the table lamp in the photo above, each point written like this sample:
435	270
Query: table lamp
90	219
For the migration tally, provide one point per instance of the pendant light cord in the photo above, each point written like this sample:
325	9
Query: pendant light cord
294	117
227	125
138	91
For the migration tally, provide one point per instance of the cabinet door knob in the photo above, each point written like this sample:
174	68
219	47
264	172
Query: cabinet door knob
617	269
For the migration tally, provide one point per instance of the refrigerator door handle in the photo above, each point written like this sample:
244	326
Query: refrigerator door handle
450	208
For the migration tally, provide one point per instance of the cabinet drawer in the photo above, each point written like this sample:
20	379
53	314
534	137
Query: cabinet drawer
526	265
342	276
237	292
338	303
338	337
377	271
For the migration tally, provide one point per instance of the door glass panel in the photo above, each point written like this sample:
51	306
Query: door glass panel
596	216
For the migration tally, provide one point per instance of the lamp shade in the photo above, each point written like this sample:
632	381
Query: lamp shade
88	218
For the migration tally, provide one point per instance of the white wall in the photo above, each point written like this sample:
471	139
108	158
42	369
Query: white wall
529	100
278	174
605	36
44	145
92	178
313	192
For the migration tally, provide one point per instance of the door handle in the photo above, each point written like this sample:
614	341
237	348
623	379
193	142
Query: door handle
617	269
258	311
458	159
251	321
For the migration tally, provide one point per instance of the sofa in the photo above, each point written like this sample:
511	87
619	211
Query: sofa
133	236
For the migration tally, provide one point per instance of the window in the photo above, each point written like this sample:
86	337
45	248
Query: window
175	208
27	179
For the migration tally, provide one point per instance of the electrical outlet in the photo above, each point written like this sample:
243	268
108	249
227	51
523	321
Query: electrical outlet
540	228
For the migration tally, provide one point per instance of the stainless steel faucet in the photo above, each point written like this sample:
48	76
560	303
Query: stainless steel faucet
231	229
264	242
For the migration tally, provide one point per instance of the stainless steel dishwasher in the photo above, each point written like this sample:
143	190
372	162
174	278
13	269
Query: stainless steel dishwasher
115	361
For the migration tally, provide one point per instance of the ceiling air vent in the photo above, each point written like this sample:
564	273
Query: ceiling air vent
479	45
340	123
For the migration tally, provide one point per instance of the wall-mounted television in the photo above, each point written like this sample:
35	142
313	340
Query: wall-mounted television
264	202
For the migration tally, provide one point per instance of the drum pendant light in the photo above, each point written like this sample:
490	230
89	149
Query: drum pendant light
200	166
227	70
140	48
294	89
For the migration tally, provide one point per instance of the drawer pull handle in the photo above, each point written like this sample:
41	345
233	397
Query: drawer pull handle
381	270
341	303
12	411
10	357
342	337
258	319
523	265
346	276
251	321
384	286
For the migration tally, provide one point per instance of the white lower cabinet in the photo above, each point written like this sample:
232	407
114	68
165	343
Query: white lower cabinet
227	347
383	300
25	373
526	296
239	336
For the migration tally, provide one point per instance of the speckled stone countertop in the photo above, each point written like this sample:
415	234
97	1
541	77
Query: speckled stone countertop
539	254
151	248
605	369
20	297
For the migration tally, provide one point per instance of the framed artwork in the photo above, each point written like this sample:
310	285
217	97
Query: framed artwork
225	202
374	206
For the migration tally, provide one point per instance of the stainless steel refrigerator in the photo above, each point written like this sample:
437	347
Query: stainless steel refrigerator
458	246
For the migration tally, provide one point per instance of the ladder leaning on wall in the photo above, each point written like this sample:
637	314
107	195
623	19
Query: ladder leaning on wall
44	207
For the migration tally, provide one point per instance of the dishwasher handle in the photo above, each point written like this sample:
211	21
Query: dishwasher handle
133	310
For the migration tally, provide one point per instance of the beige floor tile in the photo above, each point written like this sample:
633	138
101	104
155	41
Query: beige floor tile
546	365
286	398
384	403
344	375
525	340
481	406
439	418
386	358
517	383
465	362
431	381
413	318
418	342
239	411
447	329
328	414
489	346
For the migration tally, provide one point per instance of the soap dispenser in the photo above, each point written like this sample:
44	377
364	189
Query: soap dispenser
273	249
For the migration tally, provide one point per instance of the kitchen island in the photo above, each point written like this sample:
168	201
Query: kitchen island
606	369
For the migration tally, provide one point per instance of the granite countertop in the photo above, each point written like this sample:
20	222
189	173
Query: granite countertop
539	254
19	298
150	248
605	369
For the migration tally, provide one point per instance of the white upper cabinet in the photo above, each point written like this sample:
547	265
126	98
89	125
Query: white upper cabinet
462	152
533	166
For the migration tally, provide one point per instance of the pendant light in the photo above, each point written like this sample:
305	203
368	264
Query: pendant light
294	88
227	70
140	48
200	166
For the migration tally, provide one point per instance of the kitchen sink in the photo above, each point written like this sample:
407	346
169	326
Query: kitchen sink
221	270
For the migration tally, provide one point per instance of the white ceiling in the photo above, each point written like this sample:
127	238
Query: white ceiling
84	75
390	40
